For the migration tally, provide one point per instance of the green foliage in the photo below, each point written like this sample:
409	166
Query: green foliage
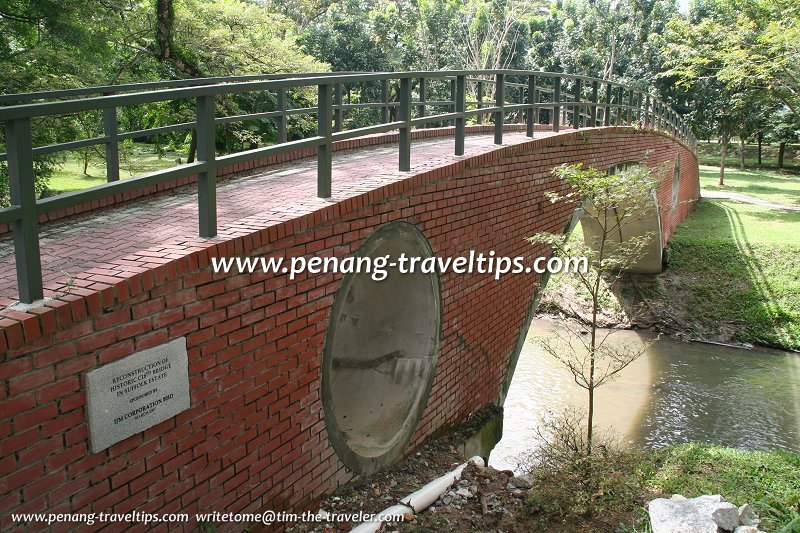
605	39
608	204
571	484
740	267
48	45
573	488
773	187
738	62
765	480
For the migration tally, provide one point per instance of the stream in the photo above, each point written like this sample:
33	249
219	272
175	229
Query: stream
676	392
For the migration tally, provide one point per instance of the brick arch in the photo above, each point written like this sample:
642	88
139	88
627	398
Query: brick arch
255	436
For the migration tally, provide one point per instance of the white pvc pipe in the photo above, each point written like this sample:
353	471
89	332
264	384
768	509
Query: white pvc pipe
420	500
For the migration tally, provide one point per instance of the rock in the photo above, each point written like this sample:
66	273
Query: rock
521	482
747	516
464	493
746	529
704	514
726	516
678	497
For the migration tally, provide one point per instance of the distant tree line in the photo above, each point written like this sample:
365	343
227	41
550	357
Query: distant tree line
731	68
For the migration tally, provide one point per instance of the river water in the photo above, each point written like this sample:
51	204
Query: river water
676	392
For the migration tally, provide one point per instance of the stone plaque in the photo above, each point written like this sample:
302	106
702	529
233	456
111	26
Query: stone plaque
130	395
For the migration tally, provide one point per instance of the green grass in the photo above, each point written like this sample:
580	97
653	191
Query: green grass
612	494
733	272
739	264
70	177
768	481
709	154
769	185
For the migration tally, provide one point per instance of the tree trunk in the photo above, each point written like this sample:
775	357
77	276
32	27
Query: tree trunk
590	420
741	153
166	49
592	352
781	153
722	159
192	147
760	141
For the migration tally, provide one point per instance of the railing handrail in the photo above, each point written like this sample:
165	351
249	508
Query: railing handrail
563	103
103	90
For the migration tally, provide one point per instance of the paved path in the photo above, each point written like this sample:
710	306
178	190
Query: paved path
125	237
746	198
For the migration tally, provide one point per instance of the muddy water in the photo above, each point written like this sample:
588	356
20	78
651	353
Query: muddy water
675	393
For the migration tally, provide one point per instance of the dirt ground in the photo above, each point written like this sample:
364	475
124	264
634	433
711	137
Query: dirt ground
484	499
641	310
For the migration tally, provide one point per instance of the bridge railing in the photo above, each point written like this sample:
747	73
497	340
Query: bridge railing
560	100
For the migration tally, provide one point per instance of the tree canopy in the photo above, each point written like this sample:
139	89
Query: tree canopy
731	68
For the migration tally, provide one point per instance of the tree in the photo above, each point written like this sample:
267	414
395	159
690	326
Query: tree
48	44
610	203
693	50
784	129
607	39
746	54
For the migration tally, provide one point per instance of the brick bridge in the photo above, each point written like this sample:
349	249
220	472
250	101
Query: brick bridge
264	422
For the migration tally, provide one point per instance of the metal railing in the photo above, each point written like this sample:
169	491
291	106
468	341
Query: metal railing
525	96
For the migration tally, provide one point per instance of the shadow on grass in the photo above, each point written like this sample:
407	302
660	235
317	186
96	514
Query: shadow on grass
718	282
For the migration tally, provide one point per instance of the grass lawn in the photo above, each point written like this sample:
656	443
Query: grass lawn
770	185
70	176
733	272
768	481
616	489
738	265
709	154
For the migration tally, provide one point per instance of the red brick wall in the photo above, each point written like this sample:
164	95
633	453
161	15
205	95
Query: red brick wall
254	437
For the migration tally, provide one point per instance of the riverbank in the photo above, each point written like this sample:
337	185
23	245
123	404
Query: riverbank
732	275
486	500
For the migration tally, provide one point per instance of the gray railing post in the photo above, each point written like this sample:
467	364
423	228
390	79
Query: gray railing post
337	110
422	97
609	97
385	100
646	111
111	132
620	98
325	149
207	179
23	194
576	109
499	100
629	114
593	117
521	115
537	110
556	103
281	119
639	101
529	130
656	114
461	106
405	129
480	101
452	105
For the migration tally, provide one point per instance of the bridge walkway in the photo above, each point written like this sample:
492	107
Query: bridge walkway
146	233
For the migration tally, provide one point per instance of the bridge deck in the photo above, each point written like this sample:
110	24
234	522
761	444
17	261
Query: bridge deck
144	234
